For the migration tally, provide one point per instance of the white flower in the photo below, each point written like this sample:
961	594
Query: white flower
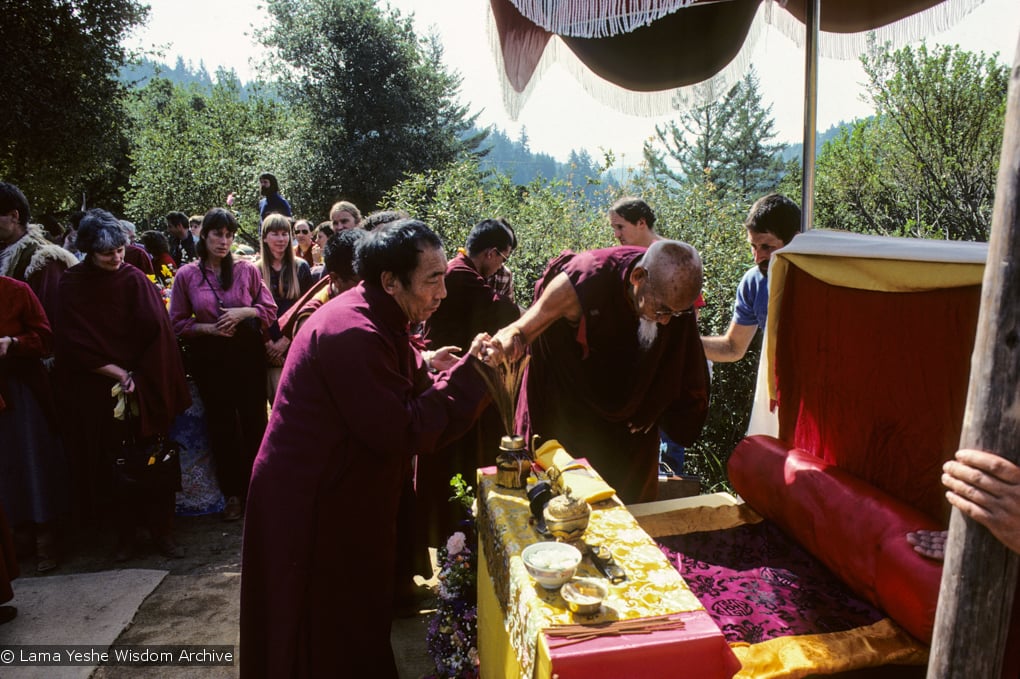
455	544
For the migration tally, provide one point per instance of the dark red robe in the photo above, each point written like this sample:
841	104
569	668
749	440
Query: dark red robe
139	257
355	403
586	382
471	306
113	317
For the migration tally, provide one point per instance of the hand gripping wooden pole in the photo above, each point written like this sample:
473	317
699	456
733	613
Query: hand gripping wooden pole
979	574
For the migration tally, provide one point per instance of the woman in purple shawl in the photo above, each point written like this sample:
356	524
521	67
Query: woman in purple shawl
114	330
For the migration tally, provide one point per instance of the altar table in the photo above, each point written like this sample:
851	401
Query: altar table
513	610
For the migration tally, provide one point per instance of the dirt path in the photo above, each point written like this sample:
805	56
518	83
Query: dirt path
199	601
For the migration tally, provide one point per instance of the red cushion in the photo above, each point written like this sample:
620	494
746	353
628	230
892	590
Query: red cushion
855	529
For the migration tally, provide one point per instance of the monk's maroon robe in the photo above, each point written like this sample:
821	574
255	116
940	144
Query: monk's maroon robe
471	306
113	317
586	382
355	403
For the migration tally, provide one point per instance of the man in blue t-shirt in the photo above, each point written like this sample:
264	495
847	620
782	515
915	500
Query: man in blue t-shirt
771	224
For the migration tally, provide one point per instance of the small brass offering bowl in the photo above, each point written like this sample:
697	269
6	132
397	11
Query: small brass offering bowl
566	517
584	596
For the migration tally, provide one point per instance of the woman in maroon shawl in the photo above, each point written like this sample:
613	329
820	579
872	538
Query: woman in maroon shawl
114	330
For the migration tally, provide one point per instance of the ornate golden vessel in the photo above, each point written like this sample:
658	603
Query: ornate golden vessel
513	464
566	517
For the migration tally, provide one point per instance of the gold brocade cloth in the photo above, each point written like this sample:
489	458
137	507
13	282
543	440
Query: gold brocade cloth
653	587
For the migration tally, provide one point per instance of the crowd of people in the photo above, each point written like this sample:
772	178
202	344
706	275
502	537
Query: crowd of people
95	358
355	393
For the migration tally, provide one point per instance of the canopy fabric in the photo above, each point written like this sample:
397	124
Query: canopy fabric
681	53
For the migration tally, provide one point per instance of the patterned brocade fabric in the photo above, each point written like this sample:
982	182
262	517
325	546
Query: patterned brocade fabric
653	587
758	584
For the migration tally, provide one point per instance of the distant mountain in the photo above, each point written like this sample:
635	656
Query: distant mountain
515	159
795	151
139	74
502	154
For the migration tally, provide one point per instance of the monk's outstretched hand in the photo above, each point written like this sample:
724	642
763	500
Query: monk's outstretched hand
479	346
444	358
507	345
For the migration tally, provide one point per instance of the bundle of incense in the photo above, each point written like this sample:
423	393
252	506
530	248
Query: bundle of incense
504	382
565	635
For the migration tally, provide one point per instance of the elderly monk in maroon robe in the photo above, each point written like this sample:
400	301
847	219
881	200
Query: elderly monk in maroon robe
615	352
355	403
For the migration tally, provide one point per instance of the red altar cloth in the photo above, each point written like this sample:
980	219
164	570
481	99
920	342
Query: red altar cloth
698	650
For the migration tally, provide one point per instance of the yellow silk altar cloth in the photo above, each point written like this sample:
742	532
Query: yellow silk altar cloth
513	610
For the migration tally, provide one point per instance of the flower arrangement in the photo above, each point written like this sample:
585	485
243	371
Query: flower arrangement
164	282
452	635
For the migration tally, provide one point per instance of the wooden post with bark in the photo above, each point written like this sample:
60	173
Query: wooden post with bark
979	574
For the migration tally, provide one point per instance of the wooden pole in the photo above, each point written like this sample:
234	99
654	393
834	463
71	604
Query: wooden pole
807	193
979	575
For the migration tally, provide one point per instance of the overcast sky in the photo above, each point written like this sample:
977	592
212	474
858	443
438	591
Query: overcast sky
559	116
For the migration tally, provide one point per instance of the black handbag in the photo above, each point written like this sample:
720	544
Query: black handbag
147	465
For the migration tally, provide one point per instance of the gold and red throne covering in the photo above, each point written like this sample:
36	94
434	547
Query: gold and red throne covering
860	400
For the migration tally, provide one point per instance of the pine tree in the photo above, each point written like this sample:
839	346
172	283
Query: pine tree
725	142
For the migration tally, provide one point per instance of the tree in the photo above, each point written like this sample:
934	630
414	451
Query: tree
192	145
61	134
925	164
750	166
376	101
723	142
695	159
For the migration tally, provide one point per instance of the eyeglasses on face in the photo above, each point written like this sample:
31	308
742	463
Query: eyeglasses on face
669	313
302	231
505	257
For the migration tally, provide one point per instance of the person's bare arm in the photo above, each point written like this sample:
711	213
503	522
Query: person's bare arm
986	487
558	300
729	347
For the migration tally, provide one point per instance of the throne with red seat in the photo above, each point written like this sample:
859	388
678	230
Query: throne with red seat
860	400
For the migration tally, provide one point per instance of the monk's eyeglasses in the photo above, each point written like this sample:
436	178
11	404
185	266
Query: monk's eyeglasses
668	313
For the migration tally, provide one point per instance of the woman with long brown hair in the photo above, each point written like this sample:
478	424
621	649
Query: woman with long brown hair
220	308
288	277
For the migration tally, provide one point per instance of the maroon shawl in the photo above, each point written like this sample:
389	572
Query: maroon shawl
118	317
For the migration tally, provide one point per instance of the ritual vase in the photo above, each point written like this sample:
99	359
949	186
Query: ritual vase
513	464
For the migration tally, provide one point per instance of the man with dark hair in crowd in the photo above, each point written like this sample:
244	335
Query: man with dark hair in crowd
772	223
272	201
182	247
356	385
615	351
471	306
26	254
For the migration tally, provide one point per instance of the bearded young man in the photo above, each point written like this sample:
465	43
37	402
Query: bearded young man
272	201
771	224
615	353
